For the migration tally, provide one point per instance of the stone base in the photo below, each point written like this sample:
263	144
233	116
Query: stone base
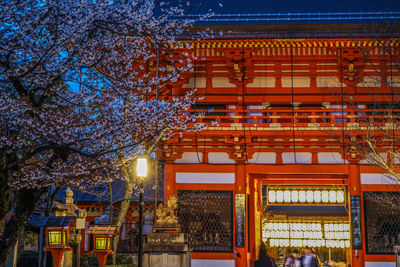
167	250
166	227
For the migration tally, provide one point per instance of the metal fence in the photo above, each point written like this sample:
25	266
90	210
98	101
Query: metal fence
382	221
207	218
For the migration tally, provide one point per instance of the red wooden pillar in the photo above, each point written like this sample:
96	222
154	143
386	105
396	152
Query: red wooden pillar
240	188
355	190
252	220
170	181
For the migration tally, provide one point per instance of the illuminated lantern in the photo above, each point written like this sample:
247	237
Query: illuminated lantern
310	196
57	237
302	196
102	241
332	196
340	196
317	196
295	196
271	196
325	196
286	196
272	242
279	196
335	227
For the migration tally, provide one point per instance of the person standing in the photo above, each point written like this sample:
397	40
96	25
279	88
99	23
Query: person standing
308	259
293	259
263	259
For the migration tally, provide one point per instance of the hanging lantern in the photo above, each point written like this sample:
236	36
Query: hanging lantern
271	196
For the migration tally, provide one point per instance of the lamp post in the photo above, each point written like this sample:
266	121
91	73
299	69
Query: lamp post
141	172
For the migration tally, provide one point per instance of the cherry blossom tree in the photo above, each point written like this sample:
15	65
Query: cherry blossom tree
371	124
82	87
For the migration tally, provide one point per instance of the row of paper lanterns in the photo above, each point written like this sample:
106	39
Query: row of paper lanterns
274	242
292	234
306	234
306	196
279	226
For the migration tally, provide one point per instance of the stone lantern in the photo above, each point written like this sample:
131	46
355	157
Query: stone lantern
102	241
57	237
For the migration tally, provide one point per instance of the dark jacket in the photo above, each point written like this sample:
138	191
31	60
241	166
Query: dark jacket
314	261
265	262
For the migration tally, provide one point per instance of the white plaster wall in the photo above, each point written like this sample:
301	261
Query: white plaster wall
379	264
330	158
376	178
263	158
393	81
220	158
328	81
262	82
200	83
365	161
301	158
222	82
213	263
297	82
370	81
204	178
190	157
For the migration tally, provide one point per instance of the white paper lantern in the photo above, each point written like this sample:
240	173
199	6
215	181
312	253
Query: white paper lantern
325	196
279	196
317	196
271	196
286	196
310	196
295	196
302	196
340	196
332	196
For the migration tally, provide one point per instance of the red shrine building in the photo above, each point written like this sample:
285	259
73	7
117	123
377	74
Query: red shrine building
282	92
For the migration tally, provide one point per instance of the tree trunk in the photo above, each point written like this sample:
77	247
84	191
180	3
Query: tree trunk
5	202
25	201
123	210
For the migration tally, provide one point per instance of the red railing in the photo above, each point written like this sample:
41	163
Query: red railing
298	117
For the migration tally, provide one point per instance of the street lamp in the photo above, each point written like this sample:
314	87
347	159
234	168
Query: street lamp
141	171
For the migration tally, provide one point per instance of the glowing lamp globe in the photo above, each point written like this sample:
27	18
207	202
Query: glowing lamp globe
141	167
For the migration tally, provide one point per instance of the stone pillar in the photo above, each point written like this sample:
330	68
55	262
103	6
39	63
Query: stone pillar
68	255
167	250
357	255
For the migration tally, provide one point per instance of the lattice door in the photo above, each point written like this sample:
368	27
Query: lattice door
206	216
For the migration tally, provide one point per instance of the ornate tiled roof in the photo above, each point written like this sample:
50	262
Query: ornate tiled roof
239	12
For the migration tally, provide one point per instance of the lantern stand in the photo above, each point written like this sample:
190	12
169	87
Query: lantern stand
102	240
57	237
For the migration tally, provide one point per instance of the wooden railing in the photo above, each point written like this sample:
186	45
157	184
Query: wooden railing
312	118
